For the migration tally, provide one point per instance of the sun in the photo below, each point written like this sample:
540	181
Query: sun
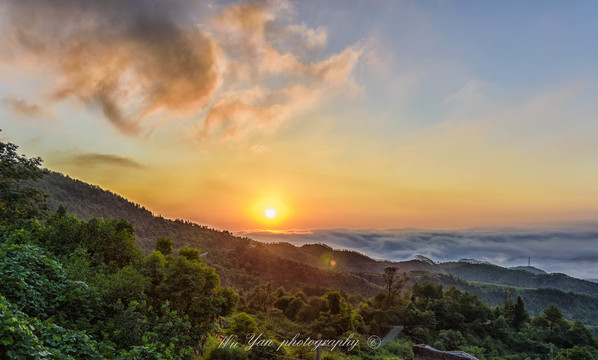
270	212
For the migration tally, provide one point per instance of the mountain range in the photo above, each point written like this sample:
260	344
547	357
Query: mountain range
244	263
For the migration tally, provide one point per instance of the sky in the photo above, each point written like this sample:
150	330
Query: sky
431	114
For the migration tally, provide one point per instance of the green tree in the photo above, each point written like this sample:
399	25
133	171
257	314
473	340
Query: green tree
33	279
575	353
164	245
520	314
426	292
294	307
194	289
449	340
554	317
283	302
23	337
339	317
153	267
389	279
262	297
241	325
17	202
108	242
578	334
509	311
189	253
125	285
336	303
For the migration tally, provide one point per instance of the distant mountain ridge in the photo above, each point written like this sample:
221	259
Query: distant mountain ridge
244	263
240	262
467	269
533	270
495	274
88	201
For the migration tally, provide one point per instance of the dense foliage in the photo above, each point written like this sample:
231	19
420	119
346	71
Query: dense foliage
447	319
73	289
81	289
242	263
17	203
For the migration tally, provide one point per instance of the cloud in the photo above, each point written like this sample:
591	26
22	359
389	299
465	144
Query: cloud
250	37
569	251
256	51
313	38
22	107
137	60
129	58
94	160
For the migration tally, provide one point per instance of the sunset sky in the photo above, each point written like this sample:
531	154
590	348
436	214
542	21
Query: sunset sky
335	114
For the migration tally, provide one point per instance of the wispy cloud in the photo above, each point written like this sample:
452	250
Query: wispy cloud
95	160
573	252
138	59
257	49
313	38
22	107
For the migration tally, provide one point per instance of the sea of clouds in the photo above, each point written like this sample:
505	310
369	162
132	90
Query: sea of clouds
571	251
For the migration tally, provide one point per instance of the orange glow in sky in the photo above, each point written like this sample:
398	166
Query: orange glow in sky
284	115
269	212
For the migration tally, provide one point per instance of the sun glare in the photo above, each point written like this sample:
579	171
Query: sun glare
270	213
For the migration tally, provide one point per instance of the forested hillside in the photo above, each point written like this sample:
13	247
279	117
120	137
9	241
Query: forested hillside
517	277
320	255
81	289
240	262
244	263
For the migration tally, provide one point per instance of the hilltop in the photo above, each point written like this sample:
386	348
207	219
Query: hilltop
244	263
531	269
241	262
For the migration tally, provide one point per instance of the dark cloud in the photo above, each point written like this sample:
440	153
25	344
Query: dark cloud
574	252
129	57
94	159
239	67
22	107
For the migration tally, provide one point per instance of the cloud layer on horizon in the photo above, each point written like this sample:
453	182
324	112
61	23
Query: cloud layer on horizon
235	69
573	252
